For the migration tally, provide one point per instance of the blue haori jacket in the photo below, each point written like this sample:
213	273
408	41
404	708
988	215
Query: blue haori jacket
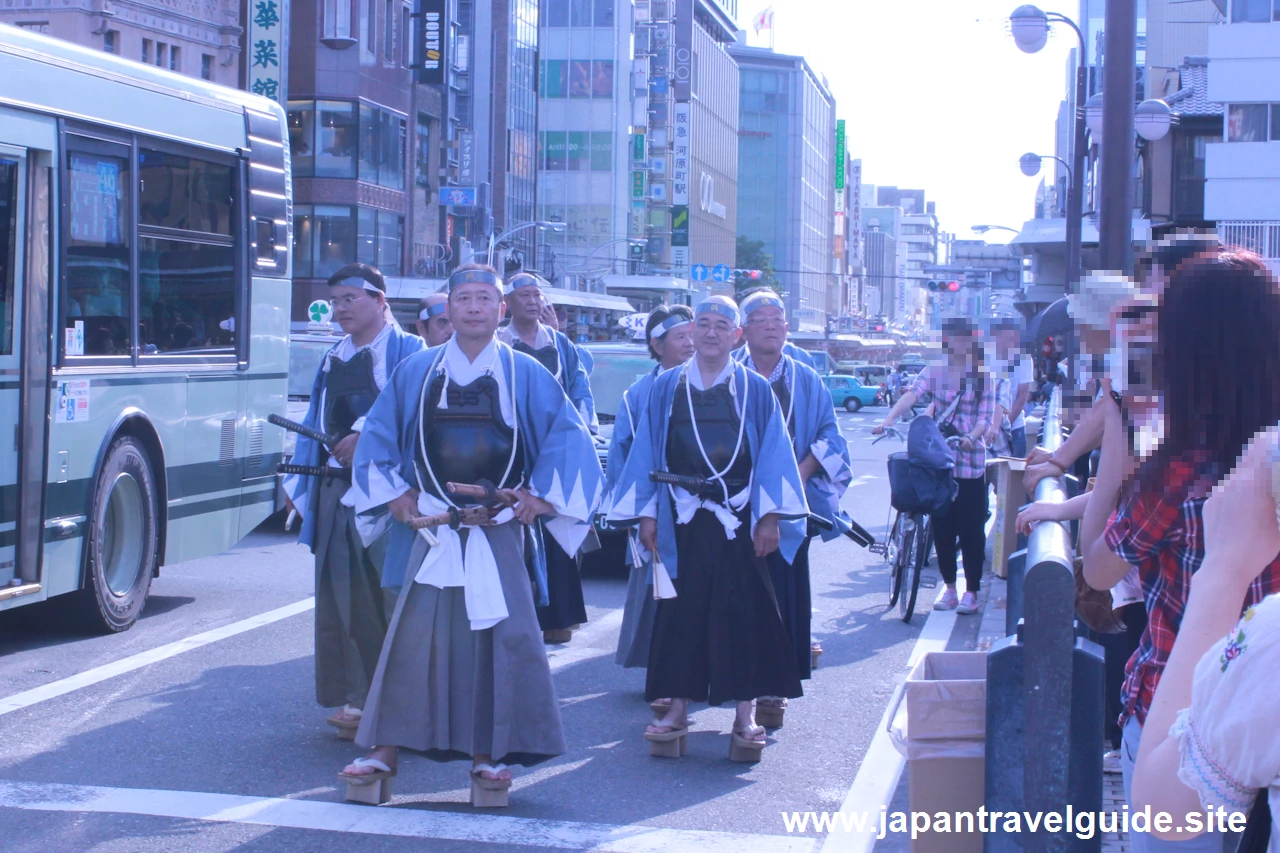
575	370
818	433
302	490
775	479
630	412
559	455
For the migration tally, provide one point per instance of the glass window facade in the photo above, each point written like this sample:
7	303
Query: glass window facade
522	116
340	139
575	151
327	237
1247	123
577	78
577	13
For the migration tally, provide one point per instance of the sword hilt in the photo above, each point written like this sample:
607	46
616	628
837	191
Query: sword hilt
302	429
315	471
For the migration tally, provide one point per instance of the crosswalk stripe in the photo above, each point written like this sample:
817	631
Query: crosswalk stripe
508	832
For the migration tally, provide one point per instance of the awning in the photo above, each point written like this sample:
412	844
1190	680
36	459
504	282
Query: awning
400	287
645	282
580	299
1039	232
846	338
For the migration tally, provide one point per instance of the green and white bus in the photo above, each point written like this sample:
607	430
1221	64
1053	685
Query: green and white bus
144	321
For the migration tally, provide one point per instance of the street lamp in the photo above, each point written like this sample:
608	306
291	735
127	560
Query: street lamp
541	226
983	229
1030	164
1152	119
1030	27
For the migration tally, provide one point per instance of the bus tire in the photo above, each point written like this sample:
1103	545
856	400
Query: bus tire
123	538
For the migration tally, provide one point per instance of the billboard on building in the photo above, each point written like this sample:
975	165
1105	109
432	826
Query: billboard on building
680	150
429	61
268	53
682	60
840	155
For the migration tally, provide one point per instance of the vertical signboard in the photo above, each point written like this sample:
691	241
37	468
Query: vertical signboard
430	55
680	165
840	155
467	158
855	214
680	225
637	184
682	60
268	49
637	147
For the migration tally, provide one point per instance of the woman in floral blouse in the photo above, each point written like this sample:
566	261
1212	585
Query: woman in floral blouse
1213	731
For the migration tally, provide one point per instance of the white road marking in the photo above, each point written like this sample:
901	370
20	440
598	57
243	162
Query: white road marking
881	767
71	683
508	832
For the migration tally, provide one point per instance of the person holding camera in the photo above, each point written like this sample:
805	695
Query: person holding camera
965	399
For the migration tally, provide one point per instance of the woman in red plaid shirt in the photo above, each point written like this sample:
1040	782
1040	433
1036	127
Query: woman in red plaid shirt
1217	350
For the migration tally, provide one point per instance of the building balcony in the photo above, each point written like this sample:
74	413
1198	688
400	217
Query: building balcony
1262	238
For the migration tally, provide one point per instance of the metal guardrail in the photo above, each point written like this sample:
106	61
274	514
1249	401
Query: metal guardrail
1045	697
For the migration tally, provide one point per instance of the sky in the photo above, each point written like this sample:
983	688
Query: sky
935	96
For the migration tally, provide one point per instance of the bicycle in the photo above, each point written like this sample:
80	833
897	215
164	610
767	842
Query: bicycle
906	548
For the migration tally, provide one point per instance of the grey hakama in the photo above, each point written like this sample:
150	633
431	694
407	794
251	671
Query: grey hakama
351	617
448	691
637	618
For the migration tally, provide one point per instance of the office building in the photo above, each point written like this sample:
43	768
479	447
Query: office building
200	40
360	133
787	178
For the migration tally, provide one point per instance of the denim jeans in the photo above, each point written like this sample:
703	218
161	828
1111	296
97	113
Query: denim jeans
1145	842
1018	443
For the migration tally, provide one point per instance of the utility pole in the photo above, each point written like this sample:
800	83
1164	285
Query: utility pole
1115	177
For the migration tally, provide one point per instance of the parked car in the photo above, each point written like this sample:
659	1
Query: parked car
306	349
617	367
848	392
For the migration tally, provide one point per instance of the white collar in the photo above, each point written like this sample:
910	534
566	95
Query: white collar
695	373
546	336
463	370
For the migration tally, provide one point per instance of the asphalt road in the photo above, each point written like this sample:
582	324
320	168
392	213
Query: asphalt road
217	744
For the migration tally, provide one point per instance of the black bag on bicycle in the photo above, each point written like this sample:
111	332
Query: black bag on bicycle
921	479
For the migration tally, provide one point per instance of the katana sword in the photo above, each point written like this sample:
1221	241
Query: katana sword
484	490
302	429
315	471
697	486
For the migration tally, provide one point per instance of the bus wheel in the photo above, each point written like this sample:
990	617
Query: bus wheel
852	404
123	538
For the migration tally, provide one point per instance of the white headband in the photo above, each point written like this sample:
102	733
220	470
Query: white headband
354	280
675	321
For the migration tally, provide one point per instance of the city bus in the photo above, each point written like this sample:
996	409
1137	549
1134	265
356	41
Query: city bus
145	228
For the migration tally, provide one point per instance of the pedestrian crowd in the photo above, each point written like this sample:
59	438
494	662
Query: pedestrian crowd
1174	412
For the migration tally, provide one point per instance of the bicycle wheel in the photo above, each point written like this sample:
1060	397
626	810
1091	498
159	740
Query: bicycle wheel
892	548
914	562
903	564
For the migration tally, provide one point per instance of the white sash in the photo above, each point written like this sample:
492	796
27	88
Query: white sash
446	566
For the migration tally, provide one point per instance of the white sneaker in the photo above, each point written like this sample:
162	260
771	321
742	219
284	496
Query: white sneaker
968	604
947	602
1111	762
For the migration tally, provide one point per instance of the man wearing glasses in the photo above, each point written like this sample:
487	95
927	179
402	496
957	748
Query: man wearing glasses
823	457
351	618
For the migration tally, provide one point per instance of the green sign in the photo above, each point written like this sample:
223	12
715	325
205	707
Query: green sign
637	150
840	154
637	184
680	225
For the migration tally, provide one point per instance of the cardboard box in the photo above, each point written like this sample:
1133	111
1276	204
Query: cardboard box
1010	496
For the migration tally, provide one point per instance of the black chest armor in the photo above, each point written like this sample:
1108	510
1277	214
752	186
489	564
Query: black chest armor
468	441
548	357
349	392
717	426
783	393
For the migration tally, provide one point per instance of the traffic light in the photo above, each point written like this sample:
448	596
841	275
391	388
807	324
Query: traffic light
747	278
953	286
940	286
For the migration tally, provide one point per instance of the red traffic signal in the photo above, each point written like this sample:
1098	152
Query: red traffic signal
953	286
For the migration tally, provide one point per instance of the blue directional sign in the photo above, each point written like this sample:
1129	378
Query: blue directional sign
698	272
720	272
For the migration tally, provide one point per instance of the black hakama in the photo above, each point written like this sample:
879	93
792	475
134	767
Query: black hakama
791	587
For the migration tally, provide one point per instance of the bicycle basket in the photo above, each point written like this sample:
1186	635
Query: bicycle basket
916	488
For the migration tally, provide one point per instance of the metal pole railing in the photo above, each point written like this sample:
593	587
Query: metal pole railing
1044	687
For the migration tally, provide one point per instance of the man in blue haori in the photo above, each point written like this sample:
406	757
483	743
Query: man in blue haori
669	336
710	477
823	458
463	672
565	608
351	617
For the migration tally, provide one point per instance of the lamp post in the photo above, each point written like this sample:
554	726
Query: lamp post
1115	167
494	242
632	241
983	229
1030	27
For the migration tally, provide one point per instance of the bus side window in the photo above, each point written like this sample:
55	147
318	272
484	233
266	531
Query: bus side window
98	293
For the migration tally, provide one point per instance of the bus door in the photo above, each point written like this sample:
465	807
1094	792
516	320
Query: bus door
25	193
